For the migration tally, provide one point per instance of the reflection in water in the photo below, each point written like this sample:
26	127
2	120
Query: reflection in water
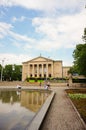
11	99
7	96
32	100
17	108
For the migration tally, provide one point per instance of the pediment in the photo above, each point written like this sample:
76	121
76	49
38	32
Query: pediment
38	59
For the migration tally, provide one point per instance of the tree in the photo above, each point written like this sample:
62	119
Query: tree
79	55
12	72
0	71
7	73
73	71
84	36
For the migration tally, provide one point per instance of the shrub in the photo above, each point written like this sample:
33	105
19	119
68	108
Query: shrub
77	96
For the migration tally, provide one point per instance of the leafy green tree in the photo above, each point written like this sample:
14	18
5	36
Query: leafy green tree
84	36
73	70
79	55
12	72
0	70
7	73
17	72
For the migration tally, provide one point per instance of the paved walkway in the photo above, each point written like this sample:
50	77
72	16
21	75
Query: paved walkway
62	115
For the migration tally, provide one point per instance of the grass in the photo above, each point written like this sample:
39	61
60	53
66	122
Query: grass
40	81
78	97
32	81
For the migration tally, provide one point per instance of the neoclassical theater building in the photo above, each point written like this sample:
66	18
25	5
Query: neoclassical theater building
43	67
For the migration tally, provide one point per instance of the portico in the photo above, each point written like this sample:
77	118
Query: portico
40	70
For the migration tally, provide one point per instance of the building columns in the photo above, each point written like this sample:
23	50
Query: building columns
37	70
47	70
28	70
52	70
33	70
40	69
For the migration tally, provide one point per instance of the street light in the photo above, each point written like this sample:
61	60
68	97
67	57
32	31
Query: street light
2	69
13	67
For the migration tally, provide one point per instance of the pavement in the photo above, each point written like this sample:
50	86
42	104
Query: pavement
62	115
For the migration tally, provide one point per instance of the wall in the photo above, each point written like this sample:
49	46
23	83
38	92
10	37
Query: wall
24	71
65	71
57	69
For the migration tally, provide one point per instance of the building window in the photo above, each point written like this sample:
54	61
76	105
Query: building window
49	75
45	75
40	75
35	75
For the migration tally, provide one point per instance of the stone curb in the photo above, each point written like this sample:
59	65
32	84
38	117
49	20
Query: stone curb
38	119
77	112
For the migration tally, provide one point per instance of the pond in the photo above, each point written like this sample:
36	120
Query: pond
17	108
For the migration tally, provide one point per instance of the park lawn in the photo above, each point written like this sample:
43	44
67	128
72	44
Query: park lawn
40	81
78	97
32	81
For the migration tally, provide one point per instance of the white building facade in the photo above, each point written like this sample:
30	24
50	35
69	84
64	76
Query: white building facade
42	67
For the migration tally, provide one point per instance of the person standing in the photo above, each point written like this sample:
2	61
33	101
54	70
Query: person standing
40	84
48	84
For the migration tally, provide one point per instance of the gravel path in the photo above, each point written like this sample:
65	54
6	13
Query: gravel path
62	115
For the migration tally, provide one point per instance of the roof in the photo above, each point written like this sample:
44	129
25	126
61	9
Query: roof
39	58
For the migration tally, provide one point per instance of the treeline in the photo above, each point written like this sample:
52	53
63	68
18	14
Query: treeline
11	73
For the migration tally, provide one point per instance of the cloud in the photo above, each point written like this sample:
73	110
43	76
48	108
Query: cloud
19	45
17	40
4	29
27	46
61	25
2	13
65	31
1	45
19	37
67	63
47	45
21	19
10	58
44	5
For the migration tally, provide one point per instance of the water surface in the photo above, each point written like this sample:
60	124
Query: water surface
17	108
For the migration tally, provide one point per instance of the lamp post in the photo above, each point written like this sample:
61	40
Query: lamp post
2	69
13	69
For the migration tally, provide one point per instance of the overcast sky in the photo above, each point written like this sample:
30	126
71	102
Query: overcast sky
51	28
